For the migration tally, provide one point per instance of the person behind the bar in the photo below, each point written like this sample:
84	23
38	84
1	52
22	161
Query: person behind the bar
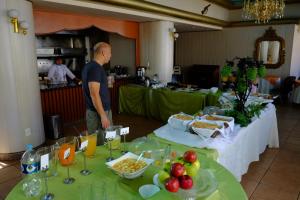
58	72
96	93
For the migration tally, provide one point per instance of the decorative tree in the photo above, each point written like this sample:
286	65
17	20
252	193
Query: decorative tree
246	75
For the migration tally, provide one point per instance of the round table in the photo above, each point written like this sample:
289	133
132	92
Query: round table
119	188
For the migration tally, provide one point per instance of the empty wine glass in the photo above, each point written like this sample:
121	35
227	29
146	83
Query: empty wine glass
47	155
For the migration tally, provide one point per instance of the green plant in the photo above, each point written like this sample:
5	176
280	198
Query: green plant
251	73
244	118
262	71
247	71
226	71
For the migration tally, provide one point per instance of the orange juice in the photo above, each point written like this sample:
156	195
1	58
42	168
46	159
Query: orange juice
69	160
91	147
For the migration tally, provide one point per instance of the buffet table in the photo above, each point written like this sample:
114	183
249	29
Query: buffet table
161	103
236	152
119	188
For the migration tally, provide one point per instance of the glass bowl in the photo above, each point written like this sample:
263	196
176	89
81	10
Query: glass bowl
205	184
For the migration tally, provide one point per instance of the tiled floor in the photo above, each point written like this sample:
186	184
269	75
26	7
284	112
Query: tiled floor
275	177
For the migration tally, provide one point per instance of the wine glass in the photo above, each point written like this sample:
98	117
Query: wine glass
88	148
113	140
47	155
92	143
66	155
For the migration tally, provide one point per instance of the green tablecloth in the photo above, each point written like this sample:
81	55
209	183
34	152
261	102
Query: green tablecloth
118	188
162	103
210	153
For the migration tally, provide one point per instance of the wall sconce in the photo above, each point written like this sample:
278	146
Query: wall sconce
19	27
24	27
173	33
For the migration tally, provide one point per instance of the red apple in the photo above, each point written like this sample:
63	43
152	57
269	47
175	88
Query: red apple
177	169
172	184
190	156
185	182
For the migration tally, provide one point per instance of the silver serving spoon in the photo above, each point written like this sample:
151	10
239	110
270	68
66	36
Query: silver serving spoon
140	156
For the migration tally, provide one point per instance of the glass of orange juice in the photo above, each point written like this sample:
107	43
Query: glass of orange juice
88	148
92	143
66	155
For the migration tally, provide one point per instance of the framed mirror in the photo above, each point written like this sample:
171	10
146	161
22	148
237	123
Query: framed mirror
270	49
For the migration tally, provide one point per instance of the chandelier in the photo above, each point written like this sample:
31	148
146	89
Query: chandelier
263	10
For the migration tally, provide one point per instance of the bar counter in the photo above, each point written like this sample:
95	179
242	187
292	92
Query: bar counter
68	101
65	101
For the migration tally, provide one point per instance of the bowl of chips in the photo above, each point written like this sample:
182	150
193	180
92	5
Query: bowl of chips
128	166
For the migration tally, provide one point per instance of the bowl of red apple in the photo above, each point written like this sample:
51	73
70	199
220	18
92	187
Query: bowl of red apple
185	178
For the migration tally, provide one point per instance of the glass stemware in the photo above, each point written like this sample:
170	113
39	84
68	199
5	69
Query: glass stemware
88	150
66	155
124	151
43	152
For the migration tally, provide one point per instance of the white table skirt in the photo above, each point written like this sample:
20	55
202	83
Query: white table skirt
242	147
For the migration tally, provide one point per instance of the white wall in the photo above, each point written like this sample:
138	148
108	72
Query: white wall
214	47
295	61
156	48
123	52
20	101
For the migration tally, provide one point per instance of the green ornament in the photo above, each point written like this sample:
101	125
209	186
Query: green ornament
241	86
252	73
261	72
226	71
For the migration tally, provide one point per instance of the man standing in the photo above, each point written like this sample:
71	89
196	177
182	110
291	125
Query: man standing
96	93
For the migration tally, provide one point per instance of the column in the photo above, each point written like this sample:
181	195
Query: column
157	49
21	119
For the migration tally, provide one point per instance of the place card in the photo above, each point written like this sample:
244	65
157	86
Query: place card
44	162
110	134
84	144
124	131
67	153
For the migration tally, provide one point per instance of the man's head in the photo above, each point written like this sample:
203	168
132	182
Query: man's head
58	61
102	52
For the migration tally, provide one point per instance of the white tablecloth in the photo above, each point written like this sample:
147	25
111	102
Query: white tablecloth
242	147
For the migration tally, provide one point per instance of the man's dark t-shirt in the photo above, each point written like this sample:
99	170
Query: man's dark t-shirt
93	72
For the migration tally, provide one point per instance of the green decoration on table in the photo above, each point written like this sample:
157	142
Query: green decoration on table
247	72
226	72
262	71
244	118
252	73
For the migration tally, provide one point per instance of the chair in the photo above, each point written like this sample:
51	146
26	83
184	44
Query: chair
287	88
270	85
295	96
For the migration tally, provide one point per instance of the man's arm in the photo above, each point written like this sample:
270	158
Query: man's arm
94	88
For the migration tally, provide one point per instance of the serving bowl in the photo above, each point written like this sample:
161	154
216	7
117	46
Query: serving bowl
129	175
180	121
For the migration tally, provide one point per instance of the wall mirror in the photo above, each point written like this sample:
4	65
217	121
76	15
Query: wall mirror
270	49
